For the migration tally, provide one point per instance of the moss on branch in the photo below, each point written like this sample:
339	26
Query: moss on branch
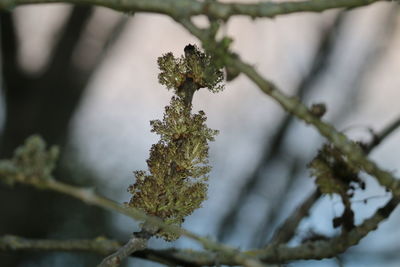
32	163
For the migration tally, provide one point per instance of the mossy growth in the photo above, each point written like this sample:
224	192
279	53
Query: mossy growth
189	73
175	183
334	173
32	163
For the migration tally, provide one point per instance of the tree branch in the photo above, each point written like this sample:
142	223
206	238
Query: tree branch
291	104
186	8
286	231
137	242
102	246
215	9
90	197
378	138
105	246
350	149
274	149
98	245
34	154
327	248
273	253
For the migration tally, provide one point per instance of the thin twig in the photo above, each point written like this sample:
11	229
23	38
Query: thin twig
98	245
90	197
271	215
286	231
378	138
137	242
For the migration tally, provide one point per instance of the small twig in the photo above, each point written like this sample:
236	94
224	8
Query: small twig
137	242
89	196
379	137
271	215
287	230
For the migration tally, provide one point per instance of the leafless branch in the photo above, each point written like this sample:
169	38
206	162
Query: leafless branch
214	9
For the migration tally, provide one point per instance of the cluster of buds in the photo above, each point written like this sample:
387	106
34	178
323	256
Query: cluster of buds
175	183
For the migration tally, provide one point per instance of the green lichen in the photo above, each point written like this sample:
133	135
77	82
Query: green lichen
174	185
333	172
194	65
32	163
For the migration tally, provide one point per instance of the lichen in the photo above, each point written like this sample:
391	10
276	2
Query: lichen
32	163
174	185
194	65
333	172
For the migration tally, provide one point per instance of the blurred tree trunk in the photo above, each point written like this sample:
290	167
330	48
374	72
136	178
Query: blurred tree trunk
43	105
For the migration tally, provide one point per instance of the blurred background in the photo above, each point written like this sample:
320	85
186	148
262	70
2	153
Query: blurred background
86	79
